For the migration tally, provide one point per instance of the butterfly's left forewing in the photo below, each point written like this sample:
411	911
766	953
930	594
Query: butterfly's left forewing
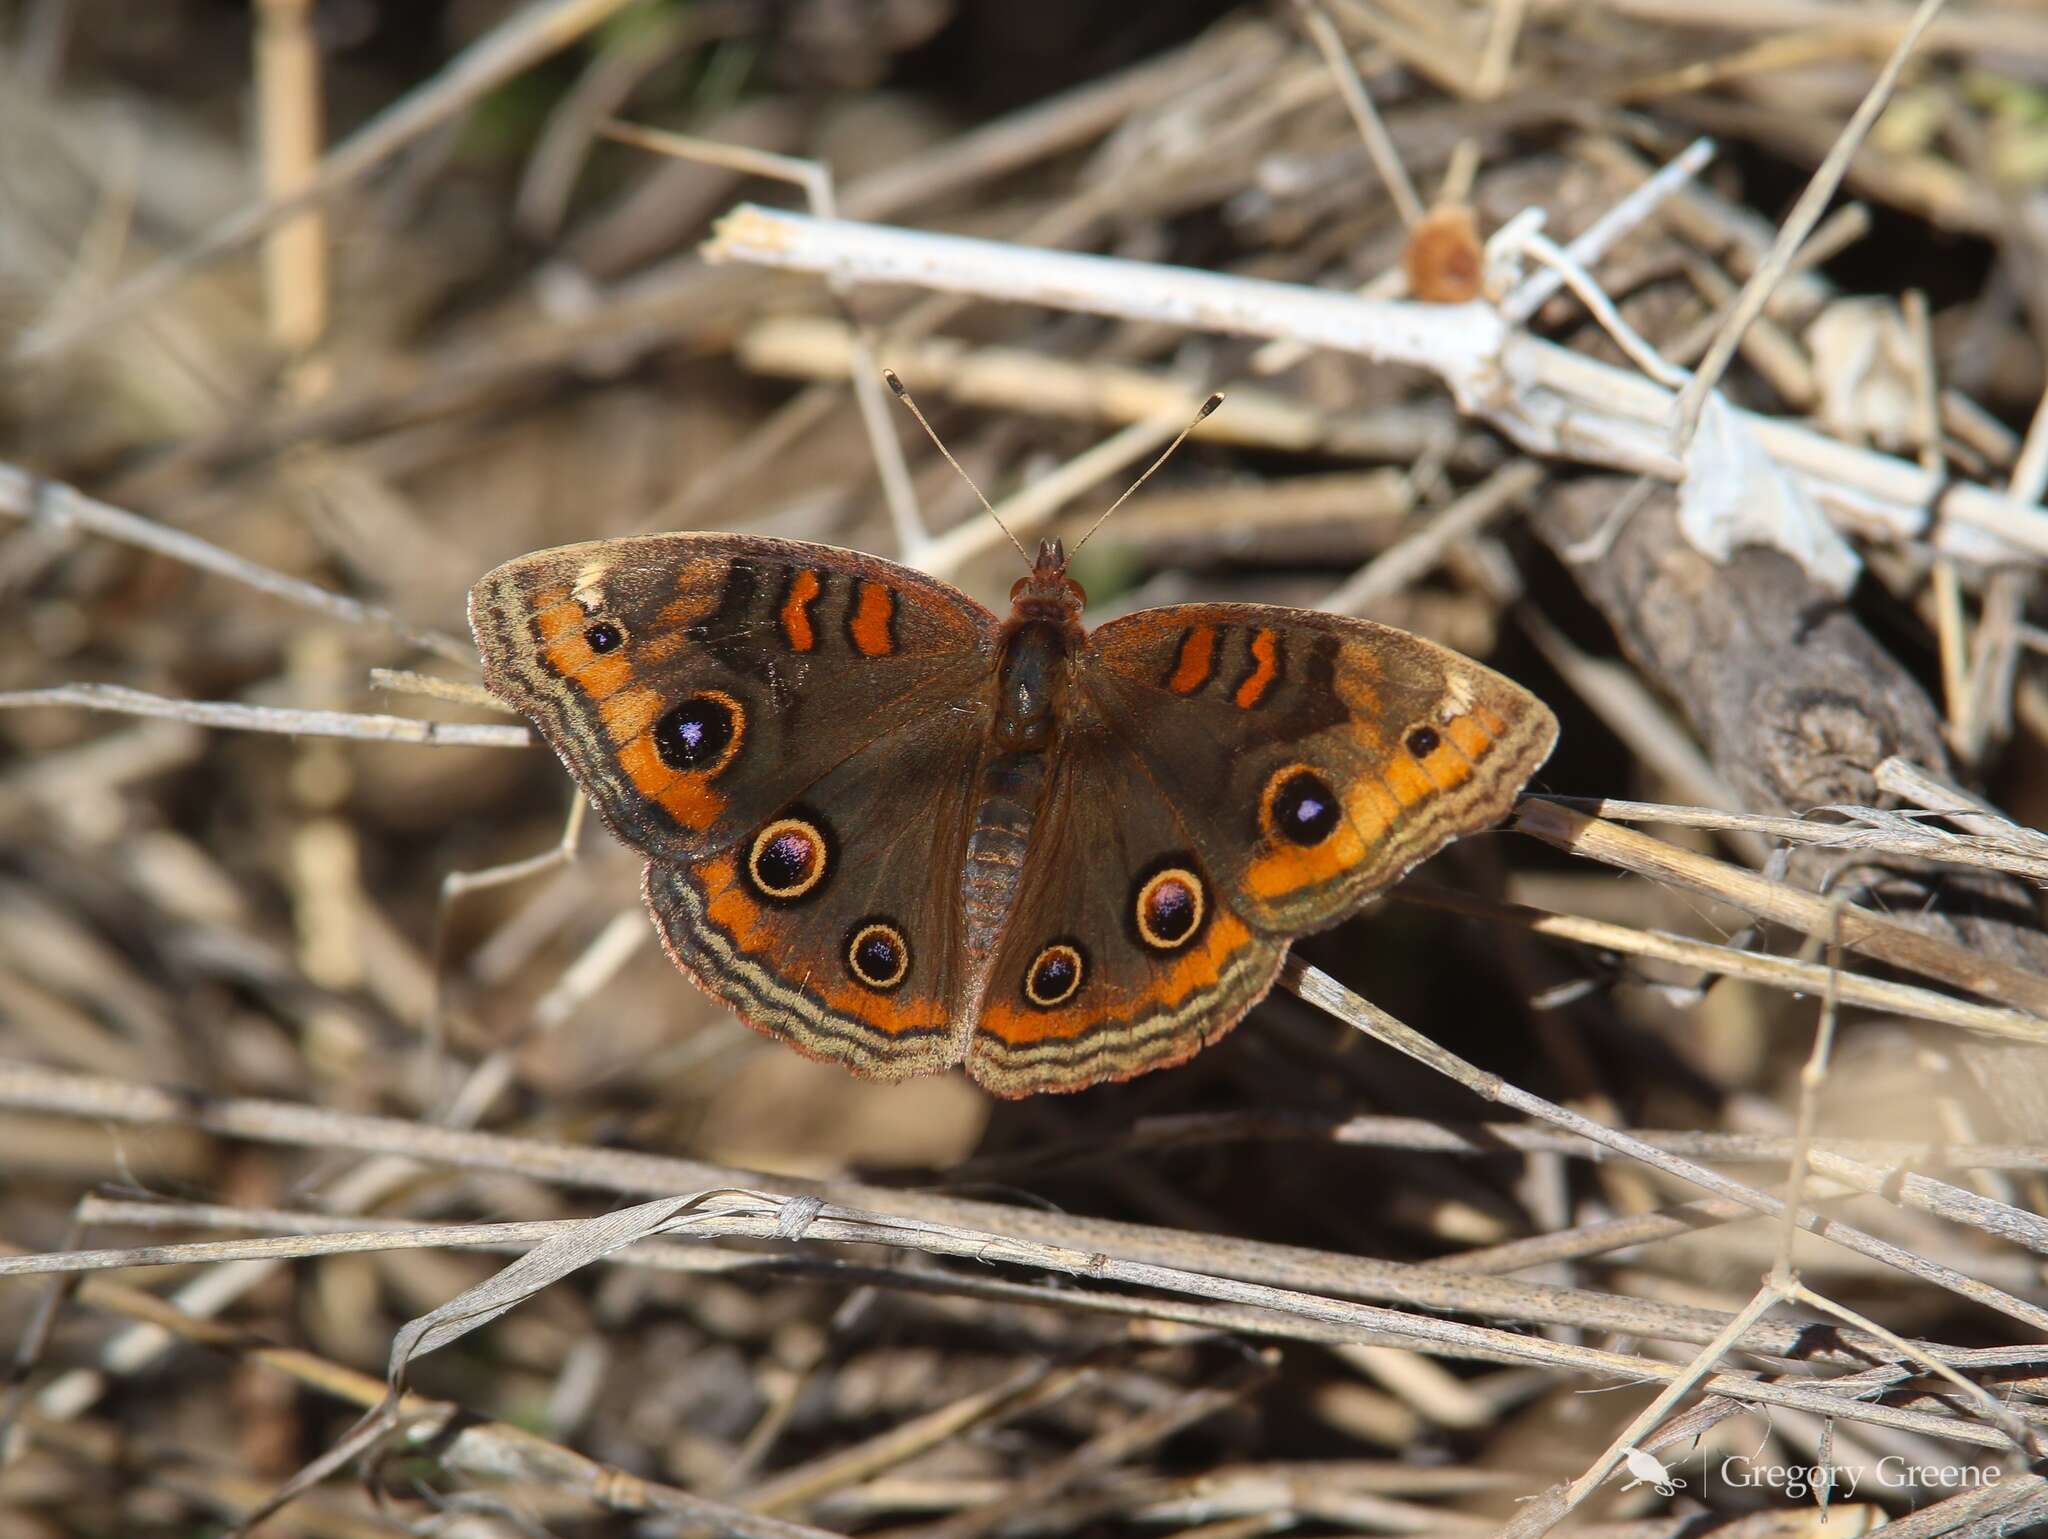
695	683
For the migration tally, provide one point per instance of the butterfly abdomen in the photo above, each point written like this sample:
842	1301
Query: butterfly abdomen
1007	799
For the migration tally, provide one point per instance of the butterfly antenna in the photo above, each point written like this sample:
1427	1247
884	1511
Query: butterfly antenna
1165	454
903	395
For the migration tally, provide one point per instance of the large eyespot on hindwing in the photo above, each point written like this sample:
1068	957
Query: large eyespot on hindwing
1169	904
1055	974
701	734
1298	806
790	858
878	955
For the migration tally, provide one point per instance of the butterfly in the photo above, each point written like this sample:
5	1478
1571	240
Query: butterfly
900	832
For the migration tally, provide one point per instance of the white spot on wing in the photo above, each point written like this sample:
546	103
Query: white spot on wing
589	589
1457	697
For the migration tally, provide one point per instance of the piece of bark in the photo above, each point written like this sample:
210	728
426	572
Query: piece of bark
1797	704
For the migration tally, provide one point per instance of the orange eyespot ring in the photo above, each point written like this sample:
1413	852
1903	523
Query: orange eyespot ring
878	956
1055	975
789	858
1170	907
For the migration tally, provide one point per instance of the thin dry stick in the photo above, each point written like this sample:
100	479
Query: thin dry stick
815	178
1539	1517
1914	783
1378	145
1496	60
1784	1280
1597	239
1805	214
1754	966
1019	381
762	1216
1781	1284
1994	842
266	718
521	40
1587	290
25	495
712	1259
1601	1237
1031	1386
1437	1136
1319	989
1777	1286
407	681
288	113
1875	936
1103	1452
1415	554
2030	470
34	1088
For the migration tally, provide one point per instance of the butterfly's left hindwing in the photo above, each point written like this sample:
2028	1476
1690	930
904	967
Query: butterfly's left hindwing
836	926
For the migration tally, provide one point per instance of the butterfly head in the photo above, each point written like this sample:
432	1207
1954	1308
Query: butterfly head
1047	592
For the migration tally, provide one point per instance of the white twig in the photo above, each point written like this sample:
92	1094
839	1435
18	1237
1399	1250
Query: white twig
264	718
1548	399
1594	298
23	495
1599	237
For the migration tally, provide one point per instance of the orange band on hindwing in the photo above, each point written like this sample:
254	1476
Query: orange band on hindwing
871	622
1017	1026
759	933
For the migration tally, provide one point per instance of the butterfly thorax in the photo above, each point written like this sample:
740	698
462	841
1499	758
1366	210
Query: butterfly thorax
1039	644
